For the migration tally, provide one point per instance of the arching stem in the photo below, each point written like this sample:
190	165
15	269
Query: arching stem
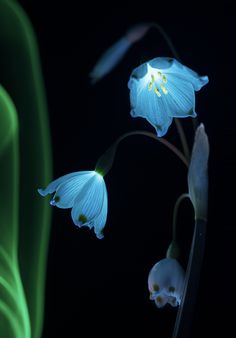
105	162
175	213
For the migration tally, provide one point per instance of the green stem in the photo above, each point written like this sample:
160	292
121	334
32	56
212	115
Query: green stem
186	310
175	213
105	162
182	138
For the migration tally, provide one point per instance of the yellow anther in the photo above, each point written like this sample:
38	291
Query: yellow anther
159	74
153	78
164	79
157	91
163	88
150	86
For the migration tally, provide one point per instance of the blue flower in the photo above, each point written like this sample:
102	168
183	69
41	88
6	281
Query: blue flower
161	89
85	192
166	282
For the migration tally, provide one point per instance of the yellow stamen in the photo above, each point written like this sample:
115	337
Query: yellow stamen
164	79
157	91
163	88
150	86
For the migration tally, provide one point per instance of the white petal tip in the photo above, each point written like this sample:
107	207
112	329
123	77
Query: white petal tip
42	192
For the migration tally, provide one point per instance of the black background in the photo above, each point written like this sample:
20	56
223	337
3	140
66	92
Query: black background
101	285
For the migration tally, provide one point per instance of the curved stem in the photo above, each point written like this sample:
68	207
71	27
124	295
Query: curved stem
161	140
175	213
186	310
182	138
105	162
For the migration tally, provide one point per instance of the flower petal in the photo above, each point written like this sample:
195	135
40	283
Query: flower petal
180	98
161	300
68	190
100	221
89	202
139	72
173	301
146	104
187	74
54	184
161	63
167	274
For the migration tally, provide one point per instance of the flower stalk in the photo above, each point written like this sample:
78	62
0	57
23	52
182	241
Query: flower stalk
105	162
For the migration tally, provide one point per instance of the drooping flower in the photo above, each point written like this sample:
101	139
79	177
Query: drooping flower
85	192
162	89
197	173
166	282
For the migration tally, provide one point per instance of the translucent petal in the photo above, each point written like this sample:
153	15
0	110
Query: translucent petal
173	301
161	300
68	190
167	272
161	63
54	184
89	202
187	74
139	72
145	103
100	221
180	98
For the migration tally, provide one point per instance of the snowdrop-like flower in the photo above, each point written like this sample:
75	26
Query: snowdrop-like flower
197	173
85	192
166	282
161	89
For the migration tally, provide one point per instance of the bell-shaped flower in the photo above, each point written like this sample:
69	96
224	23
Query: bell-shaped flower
85	192
162	89
166	282
198	175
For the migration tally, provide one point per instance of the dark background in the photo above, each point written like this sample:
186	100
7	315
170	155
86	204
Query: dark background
101	285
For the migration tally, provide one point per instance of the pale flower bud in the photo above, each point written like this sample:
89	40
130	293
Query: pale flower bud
197	173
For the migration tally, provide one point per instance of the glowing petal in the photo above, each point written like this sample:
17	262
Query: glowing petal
66	192
89	201
100	220
54	184
169	276
147	104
